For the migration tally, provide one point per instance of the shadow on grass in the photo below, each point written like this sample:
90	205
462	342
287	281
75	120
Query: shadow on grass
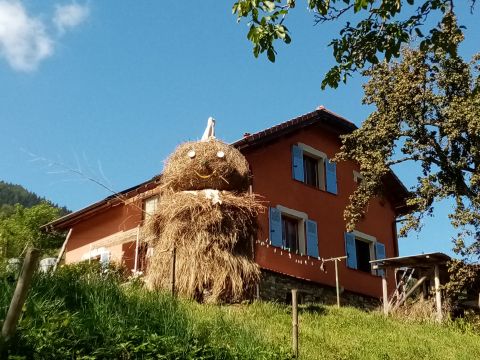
316	309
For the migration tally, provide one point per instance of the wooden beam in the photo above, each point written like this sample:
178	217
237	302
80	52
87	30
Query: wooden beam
337	285
410	292
20	293
62	250
337	281
438	295
385	292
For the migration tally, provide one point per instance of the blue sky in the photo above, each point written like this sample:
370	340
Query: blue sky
111	87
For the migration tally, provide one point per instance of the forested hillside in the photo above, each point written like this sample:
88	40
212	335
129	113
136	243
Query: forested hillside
22	213
11	194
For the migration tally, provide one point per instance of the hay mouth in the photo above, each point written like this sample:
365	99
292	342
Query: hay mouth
204	176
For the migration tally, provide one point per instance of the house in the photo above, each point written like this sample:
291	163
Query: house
306	195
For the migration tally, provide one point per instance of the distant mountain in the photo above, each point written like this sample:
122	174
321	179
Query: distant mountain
11	194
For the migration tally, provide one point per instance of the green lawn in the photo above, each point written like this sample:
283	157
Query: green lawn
347	333
79	314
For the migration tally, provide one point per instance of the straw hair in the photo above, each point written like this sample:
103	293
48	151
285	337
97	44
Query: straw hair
206	170
213	245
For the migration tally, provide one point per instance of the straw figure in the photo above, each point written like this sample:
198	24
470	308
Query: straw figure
207	215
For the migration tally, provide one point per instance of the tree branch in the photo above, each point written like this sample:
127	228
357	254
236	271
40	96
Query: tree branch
333	14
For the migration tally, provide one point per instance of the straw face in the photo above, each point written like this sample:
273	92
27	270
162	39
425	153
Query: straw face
206	165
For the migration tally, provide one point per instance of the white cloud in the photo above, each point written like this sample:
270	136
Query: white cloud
70	16
24	39
24	42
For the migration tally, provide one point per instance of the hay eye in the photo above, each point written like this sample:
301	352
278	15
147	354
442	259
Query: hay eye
220	154
191	154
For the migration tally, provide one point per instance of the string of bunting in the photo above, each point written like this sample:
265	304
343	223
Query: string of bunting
304	262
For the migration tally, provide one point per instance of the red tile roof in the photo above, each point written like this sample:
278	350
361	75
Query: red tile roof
318	116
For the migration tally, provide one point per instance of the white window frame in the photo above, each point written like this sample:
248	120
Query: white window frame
302	218
321	157
371	240
95	253
155	199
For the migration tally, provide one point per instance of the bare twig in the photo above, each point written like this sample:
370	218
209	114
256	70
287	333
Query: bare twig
332	14
66	169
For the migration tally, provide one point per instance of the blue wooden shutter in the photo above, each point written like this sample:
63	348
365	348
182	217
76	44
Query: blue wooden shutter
312	238
297	163
275	227
379	254
331	169
351	250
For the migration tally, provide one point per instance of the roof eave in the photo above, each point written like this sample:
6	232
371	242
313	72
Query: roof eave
70	219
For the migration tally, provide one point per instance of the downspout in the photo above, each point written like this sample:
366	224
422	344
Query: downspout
395	234
135	266
395	237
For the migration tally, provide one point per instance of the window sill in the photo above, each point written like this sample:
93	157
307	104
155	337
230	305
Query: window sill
296	254
314	187
365	273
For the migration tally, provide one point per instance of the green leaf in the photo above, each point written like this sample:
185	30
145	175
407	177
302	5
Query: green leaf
419	32
270	5
256	50
271	54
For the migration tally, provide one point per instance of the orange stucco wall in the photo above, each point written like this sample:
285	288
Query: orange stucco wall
87	233
271	166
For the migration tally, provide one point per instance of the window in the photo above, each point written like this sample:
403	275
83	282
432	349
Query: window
142	257
293	231
100	254
310	171
150	206
290	236
363	255
361	249
312	167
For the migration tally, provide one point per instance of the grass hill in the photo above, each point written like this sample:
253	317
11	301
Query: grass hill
81	313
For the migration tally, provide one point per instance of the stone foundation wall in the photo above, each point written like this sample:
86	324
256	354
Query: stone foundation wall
277	287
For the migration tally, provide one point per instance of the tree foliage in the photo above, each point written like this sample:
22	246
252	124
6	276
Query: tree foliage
22	229
382	29
427	111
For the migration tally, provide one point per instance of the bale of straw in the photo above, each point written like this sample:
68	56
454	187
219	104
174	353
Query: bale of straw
212	276
213	245
206	170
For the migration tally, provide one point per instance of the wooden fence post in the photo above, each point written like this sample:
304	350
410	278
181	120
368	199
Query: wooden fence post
438	295
20	294
337	284
173	270
386	305
295	323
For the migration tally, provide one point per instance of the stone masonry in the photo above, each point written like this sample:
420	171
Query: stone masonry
277	287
